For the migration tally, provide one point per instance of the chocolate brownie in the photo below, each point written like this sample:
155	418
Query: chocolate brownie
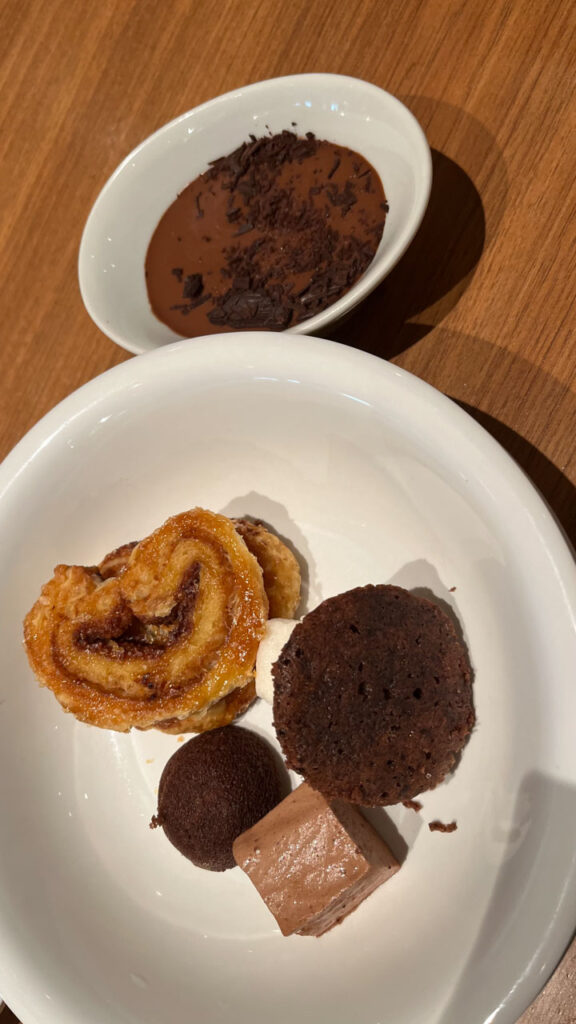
213	788
373	696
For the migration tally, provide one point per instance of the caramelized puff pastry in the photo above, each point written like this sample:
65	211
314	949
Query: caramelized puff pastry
160	634
282	583
279	566
280	569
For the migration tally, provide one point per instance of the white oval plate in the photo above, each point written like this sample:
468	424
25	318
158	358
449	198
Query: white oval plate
338	108
374	477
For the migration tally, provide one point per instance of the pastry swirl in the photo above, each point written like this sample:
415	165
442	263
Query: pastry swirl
163	632
279	566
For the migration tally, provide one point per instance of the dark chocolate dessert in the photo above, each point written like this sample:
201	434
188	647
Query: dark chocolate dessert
213	788
267	237
373	696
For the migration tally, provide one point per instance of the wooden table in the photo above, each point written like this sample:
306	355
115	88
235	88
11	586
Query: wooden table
481	305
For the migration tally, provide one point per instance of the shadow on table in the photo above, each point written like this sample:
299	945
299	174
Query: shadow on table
430	280
439	265
512	943
432	275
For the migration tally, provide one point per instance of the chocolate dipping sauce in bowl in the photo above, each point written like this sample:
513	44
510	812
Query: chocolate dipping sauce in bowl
280	205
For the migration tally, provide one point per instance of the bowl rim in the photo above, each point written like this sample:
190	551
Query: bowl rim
378	268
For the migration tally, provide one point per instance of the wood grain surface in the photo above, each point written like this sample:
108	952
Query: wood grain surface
481	306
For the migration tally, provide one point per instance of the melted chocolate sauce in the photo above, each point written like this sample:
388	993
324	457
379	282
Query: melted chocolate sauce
269	236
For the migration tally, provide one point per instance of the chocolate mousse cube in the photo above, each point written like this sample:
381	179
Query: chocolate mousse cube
313	861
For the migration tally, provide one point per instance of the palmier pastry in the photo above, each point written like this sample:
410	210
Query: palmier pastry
281	574
162	633
279	567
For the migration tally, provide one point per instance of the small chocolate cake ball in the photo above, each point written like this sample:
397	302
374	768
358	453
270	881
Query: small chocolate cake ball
216	786
373	696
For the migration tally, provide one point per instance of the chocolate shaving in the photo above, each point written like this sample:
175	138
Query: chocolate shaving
257	308
193	285
335	166
178	272
439	826
342	197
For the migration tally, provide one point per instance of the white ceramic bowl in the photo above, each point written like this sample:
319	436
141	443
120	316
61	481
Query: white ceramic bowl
374	477
343	110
